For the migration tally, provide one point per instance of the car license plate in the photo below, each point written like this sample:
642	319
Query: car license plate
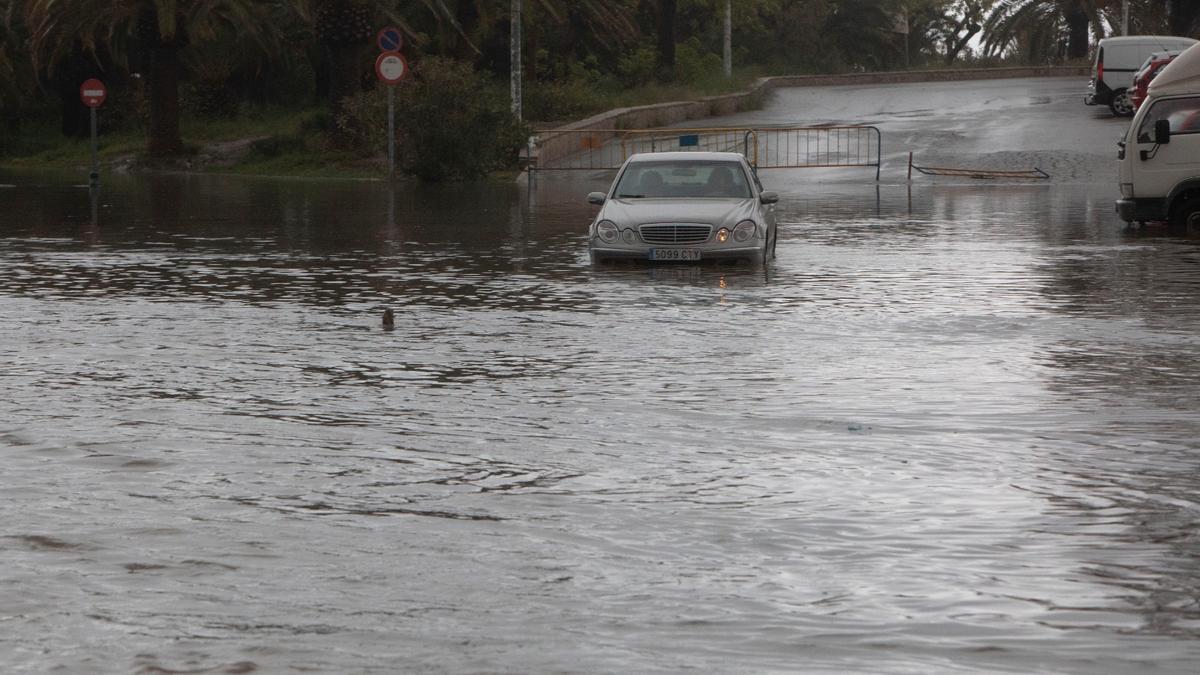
674	254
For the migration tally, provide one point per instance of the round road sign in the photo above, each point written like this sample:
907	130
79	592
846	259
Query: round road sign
391	67
390	39
93	92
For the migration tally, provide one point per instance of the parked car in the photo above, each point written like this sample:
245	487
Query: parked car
1117	59
684	207
1159	157
1142	78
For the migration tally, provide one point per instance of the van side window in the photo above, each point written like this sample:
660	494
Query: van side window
1183	113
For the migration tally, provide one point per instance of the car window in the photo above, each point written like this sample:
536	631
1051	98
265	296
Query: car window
1183	113
683	178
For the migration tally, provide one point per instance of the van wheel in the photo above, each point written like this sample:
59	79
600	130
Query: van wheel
1185	215
1121	105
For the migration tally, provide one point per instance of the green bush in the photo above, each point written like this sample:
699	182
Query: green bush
638	66
360	124
693	65
453	124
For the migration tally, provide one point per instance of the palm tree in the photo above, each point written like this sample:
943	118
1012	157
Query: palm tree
343	28
160	29
8	89
1183	17
666	12
1043	30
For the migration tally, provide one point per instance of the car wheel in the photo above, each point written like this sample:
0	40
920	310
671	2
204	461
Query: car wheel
1121	105
1185	214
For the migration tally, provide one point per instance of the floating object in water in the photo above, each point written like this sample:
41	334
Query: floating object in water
389	319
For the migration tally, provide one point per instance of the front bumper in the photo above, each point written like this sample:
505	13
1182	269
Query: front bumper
1098	94
753	255
1141	210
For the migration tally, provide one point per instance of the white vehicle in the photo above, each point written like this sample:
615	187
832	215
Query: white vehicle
1159	157
684	207
1117	59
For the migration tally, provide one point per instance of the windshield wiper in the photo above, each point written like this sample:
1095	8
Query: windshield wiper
630	196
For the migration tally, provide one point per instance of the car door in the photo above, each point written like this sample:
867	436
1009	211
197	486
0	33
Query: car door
767	211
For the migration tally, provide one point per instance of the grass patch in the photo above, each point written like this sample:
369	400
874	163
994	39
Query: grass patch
287	143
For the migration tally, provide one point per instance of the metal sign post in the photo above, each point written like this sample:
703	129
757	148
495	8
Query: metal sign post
391	68
391	131
92	93
94	175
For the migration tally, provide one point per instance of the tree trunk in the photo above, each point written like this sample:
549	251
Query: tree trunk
961	43
665	25
345	73
1183	16
1077	31
164	101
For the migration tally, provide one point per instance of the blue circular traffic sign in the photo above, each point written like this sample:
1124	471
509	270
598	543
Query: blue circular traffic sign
390	39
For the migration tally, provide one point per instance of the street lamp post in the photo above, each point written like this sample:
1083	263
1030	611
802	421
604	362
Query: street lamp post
515	57
728	38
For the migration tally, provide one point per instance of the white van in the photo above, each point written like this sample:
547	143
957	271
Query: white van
1117	59
1159	158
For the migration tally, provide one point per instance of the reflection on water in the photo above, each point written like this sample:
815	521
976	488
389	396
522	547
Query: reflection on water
951	428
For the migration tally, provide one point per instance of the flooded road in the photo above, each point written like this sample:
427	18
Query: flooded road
951	429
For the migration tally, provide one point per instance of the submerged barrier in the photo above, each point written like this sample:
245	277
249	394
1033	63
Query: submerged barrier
1034	173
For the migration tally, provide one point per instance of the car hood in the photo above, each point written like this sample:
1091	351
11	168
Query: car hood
718	212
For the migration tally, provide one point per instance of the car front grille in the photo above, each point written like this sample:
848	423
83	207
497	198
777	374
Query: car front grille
675	233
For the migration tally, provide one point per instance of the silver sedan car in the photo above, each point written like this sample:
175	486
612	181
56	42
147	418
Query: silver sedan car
684	207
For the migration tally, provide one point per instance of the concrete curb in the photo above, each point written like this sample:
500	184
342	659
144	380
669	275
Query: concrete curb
664	114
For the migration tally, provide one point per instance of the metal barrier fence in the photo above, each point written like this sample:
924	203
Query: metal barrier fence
721	139
764	147
819	147
600	149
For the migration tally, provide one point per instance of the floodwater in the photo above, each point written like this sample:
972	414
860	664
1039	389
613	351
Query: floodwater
951	429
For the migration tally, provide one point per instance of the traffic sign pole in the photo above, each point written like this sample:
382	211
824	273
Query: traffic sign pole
95	176
92	93
391	131
390	68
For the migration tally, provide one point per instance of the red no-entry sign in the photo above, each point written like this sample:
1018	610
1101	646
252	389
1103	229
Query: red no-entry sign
391	67
93	92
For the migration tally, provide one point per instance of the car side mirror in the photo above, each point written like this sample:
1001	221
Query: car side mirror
596	198
768	197
1162	132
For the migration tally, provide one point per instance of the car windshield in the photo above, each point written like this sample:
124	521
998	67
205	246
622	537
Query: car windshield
683	178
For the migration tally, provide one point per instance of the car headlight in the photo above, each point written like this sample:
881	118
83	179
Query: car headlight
629	236
744	231
607	231
722	235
